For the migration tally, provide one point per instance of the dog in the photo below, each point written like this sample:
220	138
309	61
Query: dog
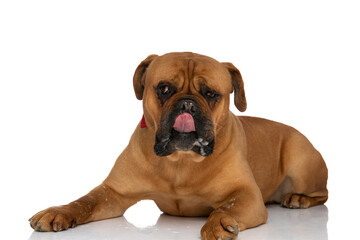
194	157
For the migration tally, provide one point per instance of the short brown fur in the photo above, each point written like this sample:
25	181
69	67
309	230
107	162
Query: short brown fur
255	160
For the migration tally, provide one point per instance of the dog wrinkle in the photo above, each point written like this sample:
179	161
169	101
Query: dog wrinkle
191	69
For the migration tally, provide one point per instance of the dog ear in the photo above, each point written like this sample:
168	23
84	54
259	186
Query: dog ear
238	86
139	76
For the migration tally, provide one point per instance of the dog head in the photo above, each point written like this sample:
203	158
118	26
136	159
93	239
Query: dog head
185	100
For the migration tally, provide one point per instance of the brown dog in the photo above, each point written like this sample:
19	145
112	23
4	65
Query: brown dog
194	157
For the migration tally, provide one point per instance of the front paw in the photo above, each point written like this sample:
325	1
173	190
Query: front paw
220	226
53	219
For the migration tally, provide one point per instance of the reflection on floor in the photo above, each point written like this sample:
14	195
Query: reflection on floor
282	224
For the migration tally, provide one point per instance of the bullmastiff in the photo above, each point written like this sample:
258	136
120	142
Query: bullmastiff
194	157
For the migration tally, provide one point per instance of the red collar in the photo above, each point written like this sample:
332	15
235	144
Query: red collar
143	122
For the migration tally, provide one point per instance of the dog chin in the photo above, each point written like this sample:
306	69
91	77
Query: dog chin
186	156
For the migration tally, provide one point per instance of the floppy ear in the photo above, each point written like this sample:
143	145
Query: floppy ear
139	76
238	86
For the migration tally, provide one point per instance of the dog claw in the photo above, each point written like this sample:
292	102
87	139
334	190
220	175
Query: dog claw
233	230
230	229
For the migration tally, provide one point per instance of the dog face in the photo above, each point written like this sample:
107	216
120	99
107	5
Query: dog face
185	100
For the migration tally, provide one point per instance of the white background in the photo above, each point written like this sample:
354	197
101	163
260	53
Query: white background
67	106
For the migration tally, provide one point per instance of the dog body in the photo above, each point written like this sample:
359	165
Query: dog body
194	157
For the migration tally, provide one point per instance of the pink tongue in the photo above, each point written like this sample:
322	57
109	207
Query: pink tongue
184	123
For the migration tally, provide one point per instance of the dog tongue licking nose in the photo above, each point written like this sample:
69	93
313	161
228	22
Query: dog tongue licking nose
184	123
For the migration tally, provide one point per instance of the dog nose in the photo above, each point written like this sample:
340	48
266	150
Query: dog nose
188	106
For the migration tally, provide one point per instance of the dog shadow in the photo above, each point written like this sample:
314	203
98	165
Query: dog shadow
282	224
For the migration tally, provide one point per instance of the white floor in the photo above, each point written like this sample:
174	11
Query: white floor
282	224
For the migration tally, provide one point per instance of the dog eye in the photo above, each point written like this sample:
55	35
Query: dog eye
211	95
164	89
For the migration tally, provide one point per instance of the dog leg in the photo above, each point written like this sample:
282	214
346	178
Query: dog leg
307	173
101	203
240	211
295	201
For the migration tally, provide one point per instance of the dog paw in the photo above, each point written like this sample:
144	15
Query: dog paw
220	226
52	219
295	201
